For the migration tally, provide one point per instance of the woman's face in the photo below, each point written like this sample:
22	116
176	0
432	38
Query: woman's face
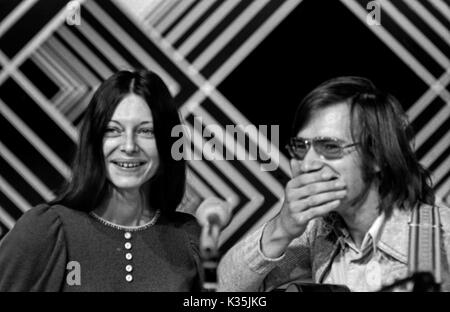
129	145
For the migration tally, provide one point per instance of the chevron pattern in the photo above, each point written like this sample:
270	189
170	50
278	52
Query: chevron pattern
418	32
49	71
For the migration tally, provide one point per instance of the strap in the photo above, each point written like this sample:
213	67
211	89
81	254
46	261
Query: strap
424	253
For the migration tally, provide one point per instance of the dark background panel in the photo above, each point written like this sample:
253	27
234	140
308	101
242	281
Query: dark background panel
312	45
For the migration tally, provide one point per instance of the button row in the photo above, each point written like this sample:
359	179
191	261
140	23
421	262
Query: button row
128	256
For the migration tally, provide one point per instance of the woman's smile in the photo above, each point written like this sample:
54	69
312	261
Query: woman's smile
127	164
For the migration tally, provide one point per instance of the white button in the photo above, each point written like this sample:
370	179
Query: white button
127	245
129	256
129	268
129	278
127	235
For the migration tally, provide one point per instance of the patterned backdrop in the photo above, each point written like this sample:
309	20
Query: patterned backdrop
227	62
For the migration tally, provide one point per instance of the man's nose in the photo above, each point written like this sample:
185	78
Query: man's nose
309	163
129	145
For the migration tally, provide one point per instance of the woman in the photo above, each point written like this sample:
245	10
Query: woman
114	226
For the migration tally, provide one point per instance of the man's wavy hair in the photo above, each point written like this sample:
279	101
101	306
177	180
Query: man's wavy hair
88	186
380	125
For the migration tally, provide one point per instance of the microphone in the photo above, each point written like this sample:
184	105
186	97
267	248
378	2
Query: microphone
213	214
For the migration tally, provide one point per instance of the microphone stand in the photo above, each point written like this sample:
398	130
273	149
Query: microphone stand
210	256
213	214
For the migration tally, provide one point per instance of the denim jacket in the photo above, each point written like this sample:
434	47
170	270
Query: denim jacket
310	256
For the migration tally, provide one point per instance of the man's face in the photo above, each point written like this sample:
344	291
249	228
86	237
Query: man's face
334	122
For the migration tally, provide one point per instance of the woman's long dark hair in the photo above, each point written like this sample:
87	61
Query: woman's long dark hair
88	186
380	125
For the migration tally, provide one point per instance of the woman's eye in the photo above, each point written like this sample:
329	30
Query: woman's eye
112	131
146	131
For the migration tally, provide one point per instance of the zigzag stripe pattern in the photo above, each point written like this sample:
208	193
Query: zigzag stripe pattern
418	32
53	69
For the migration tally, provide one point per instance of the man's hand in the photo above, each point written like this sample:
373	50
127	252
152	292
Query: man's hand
314	191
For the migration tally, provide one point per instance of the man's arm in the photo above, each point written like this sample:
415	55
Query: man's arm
245	267
310	194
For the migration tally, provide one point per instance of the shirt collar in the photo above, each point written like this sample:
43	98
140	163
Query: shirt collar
374	233
394	239
390	234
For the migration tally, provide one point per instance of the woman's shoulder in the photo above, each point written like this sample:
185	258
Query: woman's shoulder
38	218
44	221
37	228
45	213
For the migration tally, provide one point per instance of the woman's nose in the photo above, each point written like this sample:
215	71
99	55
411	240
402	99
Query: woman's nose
129	145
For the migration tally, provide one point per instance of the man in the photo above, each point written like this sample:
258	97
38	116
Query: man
346	213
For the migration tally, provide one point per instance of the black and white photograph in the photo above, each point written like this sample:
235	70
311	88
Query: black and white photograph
244	147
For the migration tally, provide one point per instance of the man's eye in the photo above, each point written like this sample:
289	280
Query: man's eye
331	146
301	145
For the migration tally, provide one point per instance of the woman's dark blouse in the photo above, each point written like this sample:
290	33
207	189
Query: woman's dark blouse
37	254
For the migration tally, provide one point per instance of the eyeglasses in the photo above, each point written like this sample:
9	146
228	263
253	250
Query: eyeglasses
330	148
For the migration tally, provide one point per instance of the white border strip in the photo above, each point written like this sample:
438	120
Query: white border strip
443	192
54	114
219	185
416	34
13	195
188	20
58	51
68	93
108	51
160	10
253	41
207	25
6	219
437	150
252	165
441	7
15	15
432	125
26	173
441	171
173	15
392	43
229	33
133	47
35	141
34	43
429	18
197	184
86	54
